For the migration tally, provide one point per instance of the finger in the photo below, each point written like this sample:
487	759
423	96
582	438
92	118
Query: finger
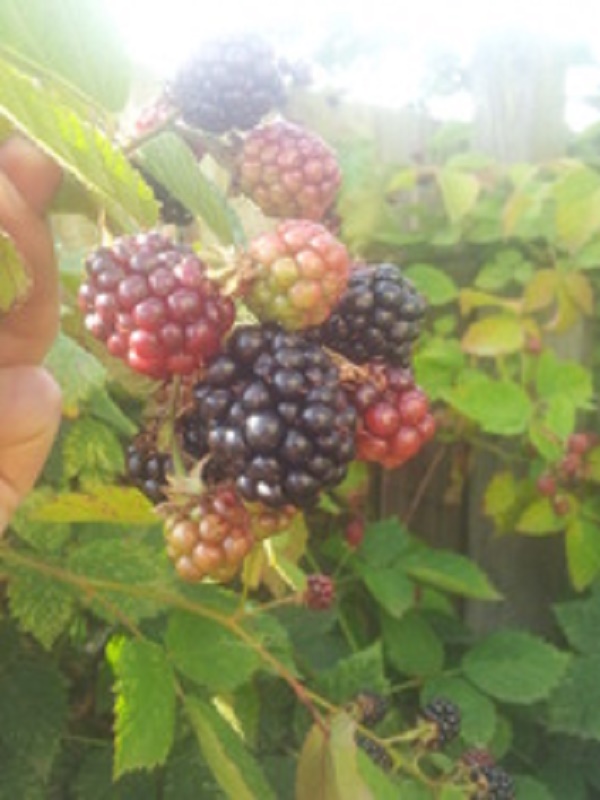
33	174
30	411
28	331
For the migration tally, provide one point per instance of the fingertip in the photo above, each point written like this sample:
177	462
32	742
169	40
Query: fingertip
31	171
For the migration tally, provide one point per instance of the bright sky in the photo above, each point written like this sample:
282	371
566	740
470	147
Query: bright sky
160	32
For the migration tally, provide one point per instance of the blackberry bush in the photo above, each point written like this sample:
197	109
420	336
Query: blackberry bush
229	84
152	304
298	273
288	171
378	317
277	422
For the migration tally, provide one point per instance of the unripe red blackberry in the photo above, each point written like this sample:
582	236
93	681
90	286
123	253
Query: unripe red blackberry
299	272
276	420
546	485
209	537
394	421
268	522
445	718
229	84
354	532
152	304
319	594
561	505
378	317
579	443
148	469
288	171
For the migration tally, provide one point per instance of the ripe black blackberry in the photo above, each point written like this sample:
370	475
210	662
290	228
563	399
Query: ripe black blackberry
172	212
378	317
229	84
376	752
492	783
277	421
148	469
445	718
371	707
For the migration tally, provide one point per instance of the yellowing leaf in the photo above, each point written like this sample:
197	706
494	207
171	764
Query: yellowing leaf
582	543
567	313
493	336
15	281
579	289
471	299
577	197
459	191
500	494
539	519
541	290
111	504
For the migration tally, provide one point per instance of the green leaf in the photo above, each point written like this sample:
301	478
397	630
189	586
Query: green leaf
80	148
574	708
493	336
411	644
592	465
580	622
170	161
103	407
478	714
350	675
33	709
232	661
527	788
110	504
42	606
380	784
116	567
390	587
577	197
438	363
539	519
385	542
327	767
500	494
507	266
236	771
459	192
78	373
144	704
92	452
565	378
412	790
499	407
94	780
515	667
80	45
560	417
450	572
582	542
15	281
45	537
434	284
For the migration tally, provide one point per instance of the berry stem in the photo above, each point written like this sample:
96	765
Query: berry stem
130	147
178	465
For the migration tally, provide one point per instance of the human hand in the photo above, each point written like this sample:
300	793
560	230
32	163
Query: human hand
30	403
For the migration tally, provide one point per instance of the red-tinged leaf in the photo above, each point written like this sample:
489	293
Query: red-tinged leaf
539	519
541	290
583	551
494	336
106	504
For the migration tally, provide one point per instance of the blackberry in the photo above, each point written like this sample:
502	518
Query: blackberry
148	469
376	752
445	717
172	211
152	304
378	317
492	782
370	707
276	433
229	84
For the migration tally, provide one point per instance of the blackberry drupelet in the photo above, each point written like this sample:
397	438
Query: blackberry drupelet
445	717
231	83
277	422
378	317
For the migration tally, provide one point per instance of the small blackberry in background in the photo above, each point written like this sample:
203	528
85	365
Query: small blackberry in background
445	719
172	212
492	782
370	707
147	469
229	84
376	752
319	594
378	317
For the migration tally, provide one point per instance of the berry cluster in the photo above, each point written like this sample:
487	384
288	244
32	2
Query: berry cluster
148	469
444	717
394	421
566	473
488	779
152	304
210	536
